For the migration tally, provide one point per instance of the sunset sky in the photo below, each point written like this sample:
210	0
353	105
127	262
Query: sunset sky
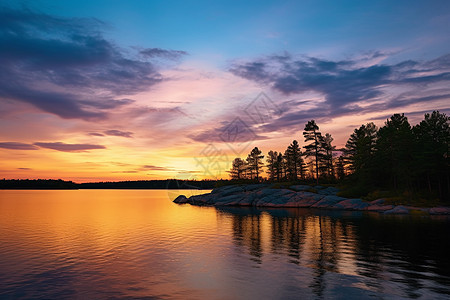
129	90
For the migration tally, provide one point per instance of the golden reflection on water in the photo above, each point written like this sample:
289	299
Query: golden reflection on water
313	241
136	243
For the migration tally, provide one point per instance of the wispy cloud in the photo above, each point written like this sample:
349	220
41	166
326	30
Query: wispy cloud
95	134
59	146
17	146
114	132
346	87
158	52
66	67
154	168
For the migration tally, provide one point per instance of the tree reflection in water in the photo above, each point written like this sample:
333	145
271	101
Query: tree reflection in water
385	252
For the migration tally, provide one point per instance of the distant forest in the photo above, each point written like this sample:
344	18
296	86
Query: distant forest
40	184
413	160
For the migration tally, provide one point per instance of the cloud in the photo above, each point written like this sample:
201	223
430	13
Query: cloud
236	131
142	168
17	146
114	132
66	67
154	168
25	169
346	87
341	82
59	146
96	134
158	52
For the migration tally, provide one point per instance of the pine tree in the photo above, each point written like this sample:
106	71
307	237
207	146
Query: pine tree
254	162
340	169
359	153
394	151
432	154
314	149
328	155
272	164
294	160
237	169
279	166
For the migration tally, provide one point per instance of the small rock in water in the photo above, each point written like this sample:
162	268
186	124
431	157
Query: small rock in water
181	199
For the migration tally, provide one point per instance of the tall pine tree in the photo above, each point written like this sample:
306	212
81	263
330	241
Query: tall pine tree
314	148
359	153
272	164
394	151
294	160
255	163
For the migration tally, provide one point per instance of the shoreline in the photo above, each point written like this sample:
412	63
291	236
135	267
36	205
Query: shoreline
299	196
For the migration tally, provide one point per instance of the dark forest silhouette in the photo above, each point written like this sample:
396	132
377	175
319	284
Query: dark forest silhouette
49	184
397	156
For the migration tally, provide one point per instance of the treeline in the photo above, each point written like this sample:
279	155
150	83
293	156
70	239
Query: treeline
48	184
37	184
397	156
151	184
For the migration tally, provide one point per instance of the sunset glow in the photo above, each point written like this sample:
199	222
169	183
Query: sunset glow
140	90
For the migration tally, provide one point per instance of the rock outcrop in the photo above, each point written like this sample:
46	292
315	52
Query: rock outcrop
301	196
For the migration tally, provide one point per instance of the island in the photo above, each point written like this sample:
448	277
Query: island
299	196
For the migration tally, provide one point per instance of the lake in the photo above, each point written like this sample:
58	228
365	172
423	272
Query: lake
124	244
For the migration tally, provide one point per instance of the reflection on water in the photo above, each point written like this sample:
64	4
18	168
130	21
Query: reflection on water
389	255
137	243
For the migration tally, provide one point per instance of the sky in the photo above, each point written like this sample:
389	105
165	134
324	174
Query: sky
107	90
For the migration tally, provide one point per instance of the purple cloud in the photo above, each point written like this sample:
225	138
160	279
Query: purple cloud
17	146
154	168
344	84
60	65
114	132
96	134
59	146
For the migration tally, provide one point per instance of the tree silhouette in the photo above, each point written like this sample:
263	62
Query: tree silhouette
340	168
294	160
272	164
432	155
280	166
394	151
328	155
238	169
359	153
254	162
314	149
395	157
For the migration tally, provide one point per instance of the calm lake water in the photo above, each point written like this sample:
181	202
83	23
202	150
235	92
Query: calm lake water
96	244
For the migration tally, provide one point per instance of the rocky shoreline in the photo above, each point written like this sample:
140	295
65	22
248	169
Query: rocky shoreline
298	196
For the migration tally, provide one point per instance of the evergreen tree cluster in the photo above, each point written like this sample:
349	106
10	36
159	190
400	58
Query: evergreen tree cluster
400	157
397	156
290	165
